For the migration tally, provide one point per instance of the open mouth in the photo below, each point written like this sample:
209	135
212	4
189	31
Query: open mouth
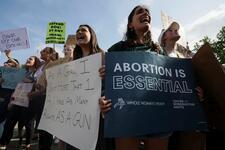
80	37
28	63
145	19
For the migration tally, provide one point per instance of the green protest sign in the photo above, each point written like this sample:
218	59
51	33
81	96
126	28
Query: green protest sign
56	33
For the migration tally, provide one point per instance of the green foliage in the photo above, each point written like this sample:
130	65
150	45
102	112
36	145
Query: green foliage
205	39
218	45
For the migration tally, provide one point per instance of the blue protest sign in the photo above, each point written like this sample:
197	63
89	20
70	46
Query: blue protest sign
150	93
12	76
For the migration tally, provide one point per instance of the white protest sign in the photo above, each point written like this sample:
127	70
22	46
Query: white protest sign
20	94
71	110
166	20
14	39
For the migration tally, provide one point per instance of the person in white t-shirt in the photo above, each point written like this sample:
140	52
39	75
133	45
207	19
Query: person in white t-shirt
168	41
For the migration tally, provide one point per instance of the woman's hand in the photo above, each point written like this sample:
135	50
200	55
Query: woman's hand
26	80
32	95
200	93
102	71
12	98
105	104
8	53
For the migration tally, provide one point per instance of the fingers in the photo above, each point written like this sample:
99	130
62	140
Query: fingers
102	71
7	52
105	105
200	93
198	89
30	95
12	98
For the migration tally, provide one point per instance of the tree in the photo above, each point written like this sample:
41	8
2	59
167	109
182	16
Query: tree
219	46
201	42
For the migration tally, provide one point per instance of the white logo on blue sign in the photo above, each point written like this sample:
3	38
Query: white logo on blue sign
120	103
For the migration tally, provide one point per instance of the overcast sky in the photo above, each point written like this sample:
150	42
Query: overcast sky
108	18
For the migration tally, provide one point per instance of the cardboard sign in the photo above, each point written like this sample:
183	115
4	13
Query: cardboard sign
20	97
212	79
150	94
71	40
56	33
71	110
14	39
166	20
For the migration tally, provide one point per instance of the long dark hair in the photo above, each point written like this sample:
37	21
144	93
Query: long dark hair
94	47
131	36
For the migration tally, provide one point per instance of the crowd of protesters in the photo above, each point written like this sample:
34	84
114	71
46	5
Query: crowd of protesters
137	38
